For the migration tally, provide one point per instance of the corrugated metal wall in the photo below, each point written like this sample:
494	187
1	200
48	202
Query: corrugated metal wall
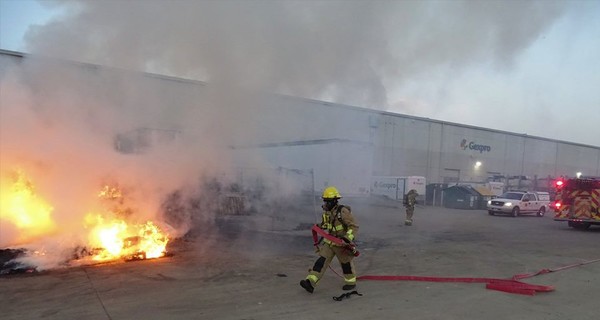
440	151
445	152
400	145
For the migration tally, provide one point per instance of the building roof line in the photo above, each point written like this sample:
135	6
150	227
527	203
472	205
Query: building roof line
314	101
299	143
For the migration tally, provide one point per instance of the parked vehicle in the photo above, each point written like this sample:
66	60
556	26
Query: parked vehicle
578	202
516	203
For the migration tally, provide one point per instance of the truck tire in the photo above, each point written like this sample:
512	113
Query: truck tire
579	225
515	212
541	212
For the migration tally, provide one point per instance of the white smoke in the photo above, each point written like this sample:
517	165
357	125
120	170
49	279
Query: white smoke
452	60
350	52
60	121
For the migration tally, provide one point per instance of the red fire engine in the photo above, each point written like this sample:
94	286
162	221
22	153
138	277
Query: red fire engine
578	201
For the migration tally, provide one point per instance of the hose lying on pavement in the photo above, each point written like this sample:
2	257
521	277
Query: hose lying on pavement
512	285
506	285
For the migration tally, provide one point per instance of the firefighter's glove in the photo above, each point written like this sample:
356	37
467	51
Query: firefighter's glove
349	237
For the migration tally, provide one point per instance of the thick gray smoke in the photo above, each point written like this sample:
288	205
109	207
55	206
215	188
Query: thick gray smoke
424	58
59	121
345	51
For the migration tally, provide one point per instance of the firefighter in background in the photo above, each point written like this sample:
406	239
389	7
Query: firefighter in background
338	221
409	203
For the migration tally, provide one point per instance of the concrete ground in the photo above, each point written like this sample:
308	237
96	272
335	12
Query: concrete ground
251	269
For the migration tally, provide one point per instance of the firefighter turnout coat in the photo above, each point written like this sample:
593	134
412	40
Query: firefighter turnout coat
340	223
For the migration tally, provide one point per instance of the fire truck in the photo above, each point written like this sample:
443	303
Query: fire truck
577	201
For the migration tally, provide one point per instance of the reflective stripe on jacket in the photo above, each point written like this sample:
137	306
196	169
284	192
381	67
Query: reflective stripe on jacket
340	223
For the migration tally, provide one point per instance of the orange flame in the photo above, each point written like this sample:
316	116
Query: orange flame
153	242
116	239
111	234
20	206
109	192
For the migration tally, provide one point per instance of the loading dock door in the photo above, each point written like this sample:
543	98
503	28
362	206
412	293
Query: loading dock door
451	175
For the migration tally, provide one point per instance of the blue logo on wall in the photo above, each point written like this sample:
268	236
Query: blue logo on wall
474	146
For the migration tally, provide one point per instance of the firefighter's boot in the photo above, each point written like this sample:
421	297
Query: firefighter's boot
348	287
307	285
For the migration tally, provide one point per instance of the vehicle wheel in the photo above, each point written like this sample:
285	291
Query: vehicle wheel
541	212
490	212
515	212
580	225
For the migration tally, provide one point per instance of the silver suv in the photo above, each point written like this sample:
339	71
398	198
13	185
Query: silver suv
519	202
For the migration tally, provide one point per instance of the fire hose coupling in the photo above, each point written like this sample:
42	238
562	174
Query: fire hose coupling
351	248
354	251
349	245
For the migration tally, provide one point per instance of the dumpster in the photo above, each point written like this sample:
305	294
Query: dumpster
485	195
434	193
461	197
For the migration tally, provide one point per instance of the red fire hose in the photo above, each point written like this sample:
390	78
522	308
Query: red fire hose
512	285
506	285
316	231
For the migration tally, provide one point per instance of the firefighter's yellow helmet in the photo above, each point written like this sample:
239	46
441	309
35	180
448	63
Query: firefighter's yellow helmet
331	193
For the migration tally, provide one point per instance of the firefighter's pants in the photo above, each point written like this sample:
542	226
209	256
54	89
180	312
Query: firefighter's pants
326	254
410	210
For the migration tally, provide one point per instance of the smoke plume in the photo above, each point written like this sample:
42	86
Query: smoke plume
61	123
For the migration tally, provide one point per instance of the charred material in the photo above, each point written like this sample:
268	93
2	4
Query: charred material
8	265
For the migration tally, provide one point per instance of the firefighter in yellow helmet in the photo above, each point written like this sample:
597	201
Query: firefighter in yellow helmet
410	199
338	221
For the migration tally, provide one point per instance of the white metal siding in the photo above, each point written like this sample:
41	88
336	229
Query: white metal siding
370	142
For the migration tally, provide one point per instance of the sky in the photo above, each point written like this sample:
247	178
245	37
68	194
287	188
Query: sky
521	66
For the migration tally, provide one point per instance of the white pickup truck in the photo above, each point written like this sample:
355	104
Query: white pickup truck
519	202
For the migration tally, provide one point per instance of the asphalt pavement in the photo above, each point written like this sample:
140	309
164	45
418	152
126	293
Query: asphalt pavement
249	267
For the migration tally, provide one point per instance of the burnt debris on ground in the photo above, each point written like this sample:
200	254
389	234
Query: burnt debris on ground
8	265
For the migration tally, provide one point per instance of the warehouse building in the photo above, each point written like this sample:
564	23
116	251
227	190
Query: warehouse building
347	146
376	143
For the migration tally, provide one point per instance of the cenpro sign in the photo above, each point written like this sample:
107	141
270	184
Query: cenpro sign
387	186
474	146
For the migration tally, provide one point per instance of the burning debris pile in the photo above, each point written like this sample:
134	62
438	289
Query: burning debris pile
113	238
112	230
